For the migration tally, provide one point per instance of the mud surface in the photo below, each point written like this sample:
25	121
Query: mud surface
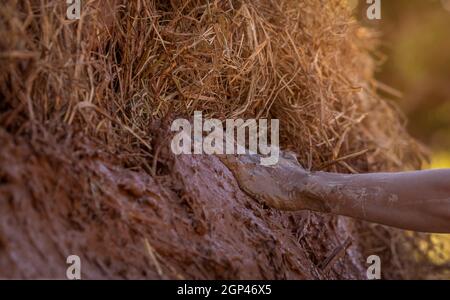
60	197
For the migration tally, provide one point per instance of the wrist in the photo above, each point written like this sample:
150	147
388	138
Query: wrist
313	193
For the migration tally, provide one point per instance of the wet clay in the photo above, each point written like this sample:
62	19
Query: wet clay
415	200
66	197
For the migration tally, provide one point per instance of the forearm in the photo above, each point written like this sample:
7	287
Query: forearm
417	201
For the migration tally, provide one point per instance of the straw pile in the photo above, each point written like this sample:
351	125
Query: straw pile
126	64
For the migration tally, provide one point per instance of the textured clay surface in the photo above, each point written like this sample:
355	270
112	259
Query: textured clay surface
60	197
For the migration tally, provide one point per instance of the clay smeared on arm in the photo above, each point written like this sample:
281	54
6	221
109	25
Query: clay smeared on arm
418	201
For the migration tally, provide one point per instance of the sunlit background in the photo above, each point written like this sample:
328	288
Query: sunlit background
415	66
415	39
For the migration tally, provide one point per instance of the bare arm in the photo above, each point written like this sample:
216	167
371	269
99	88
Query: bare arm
417	200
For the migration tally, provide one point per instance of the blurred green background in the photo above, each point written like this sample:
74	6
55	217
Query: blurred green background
415	60
415	39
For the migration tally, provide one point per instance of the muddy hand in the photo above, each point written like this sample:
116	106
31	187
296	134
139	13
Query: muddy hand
277	186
